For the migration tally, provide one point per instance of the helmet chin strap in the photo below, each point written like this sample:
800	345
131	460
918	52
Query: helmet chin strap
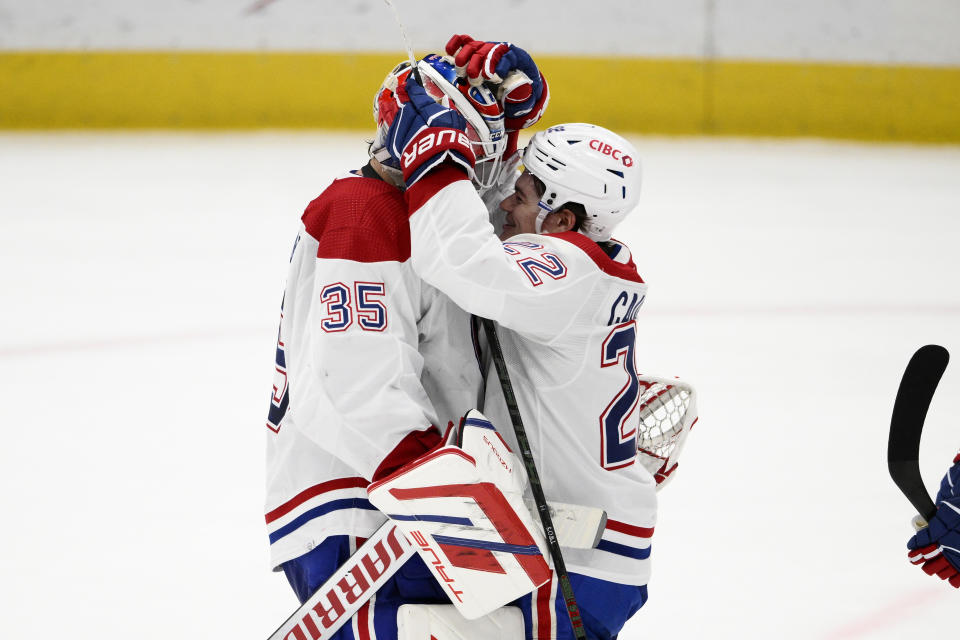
544	212
381	154
392	174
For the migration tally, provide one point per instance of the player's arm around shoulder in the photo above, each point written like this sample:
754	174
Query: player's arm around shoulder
531	283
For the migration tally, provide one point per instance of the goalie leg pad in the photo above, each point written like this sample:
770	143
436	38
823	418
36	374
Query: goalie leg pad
444	622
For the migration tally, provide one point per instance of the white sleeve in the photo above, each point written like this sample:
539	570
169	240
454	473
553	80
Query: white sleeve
530	284
451	374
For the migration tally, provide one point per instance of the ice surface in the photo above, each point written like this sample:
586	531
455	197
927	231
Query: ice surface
141	282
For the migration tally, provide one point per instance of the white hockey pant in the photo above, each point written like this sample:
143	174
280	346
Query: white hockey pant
444	622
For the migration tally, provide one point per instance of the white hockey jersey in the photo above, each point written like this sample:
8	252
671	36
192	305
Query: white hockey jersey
366	354
566	312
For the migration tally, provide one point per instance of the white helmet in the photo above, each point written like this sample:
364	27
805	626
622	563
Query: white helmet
478	106
590	165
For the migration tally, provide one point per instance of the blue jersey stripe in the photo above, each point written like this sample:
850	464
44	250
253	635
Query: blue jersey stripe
432	518
531	550
316	512
624	550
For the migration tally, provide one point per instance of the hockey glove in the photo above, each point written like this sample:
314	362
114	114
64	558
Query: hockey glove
524	95
425	134
936	548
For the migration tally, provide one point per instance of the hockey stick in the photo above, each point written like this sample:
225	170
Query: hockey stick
349	588
338	599
565	587
909	411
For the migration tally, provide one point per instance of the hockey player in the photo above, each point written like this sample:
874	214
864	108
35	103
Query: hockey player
369	360
566	296
936	547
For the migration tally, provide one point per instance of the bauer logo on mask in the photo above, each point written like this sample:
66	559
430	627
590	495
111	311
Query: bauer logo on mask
478	105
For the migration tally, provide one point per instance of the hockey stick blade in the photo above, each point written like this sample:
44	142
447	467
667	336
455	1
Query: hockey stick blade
919	383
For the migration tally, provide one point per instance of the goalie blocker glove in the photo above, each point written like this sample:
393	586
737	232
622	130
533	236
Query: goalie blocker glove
461	505
936	548
425	134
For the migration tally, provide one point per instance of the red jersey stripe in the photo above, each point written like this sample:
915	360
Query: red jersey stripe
602	260
629	529
312	492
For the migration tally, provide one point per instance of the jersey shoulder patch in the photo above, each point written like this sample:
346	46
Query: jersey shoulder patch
623	270
360	219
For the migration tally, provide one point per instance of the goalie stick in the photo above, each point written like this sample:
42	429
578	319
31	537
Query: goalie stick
338	599
573	611
406	42
349	588
917	387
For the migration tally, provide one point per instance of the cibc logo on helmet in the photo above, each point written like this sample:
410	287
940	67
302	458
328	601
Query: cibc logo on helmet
613	152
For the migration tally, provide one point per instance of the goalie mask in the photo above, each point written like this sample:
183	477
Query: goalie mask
589	165
478	105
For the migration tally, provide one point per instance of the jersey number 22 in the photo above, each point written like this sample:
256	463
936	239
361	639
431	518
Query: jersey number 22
618	442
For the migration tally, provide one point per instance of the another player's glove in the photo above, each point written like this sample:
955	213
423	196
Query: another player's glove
936	548
425	134
524	97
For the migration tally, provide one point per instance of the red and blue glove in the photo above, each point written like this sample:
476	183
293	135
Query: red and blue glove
524	97
425	134
936	549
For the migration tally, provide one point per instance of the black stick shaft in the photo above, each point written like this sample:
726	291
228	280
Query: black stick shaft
909	413
541	501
